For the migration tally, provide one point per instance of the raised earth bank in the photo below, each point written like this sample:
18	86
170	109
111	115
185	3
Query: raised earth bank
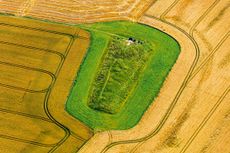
121	74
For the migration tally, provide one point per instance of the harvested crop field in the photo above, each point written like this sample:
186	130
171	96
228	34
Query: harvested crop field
69	11
191	112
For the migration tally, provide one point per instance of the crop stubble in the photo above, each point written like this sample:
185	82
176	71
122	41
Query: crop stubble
210	80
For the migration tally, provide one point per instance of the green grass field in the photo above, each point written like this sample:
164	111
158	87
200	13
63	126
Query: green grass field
118	74
102	106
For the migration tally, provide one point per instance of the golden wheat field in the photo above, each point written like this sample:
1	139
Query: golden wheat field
36	63
39	60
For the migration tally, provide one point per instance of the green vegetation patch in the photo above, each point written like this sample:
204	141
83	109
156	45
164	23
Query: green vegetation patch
118	81
118	73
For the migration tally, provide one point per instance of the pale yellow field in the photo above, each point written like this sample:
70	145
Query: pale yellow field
191	113
166	129
69	11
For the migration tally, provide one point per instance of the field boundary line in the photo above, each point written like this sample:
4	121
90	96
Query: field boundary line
205	120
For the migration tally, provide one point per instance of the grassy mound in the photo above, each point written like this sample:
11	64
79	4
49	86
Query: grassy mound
112	91
119	71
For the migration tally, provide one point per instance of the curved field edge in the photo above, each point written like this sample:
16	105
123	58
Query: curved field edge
166	52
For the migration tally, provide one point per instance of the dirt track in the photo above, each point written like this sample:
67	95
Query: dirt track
192	110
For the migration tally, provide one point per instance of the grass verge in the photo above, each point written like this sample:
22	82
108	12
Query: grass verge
164	55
